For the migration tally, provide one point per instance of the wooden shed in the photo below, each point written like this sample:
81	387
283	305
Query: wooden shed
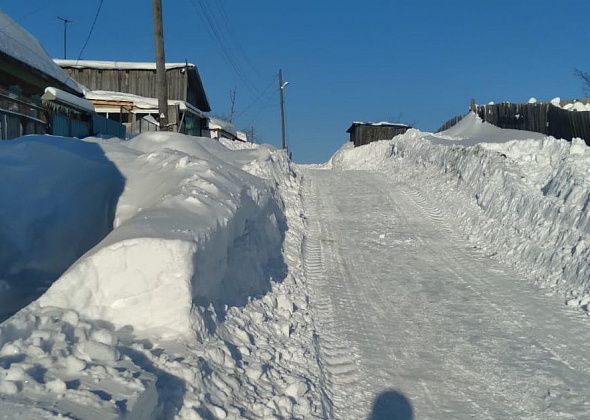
184	82
367	132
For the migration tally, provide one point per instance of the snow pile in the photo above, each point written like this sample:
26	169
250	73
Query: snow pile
187	223
577	106
526	201
187	308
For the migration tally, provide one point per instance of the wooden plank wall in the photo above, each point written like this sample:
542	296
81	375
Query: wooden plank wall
364	134
137	82
540	117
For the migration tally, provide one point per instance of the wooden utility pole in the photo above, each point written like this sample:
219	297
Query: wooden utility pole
232	103
282	86
162	87
66	21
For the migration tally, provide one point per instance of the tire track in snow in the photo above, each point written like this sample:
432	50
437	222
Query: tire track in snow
461	266
336	357
428	314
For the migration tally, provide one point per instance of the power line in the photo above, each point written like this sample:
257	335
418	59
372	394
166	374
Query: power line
91	30
210	20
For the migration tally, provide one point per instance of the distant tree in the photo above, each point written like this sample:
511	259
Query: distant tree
584	76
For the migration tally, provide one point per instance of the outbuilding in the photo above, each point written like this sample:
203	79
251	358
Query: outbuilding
367	132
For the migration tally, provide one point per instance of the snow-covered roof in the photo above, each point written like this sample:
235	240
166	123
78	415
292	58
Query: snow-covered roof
219	124
241	135
140	102
380	124
116	65
376	124
54	94
19	44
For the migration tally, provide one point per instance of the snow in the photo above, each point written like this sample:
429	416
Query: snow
577	106
184	277
16	42
55	94
412	318
117	65
471	130
189	303
219	124
381	123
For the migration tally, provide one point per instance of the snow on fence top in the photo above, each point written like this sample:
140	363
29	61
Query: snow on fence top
116	65
19	44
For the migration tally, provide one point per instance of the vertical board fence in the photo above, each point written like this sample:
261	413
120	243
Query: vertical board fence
542	118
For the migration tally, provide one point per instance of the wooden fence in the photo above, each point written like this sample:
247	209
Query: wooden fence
542	118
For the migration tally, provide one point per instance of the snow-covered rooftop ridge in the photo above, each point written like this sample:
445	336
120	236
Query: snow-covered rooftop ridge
118	65
380	123
55	94
19	44
141	102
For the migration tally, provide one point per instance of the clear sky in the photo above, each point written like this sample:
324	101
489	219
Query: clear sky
415	61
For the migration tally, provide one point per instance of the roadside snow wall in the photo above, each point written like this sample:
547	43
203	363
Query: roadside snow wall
528	201
192	229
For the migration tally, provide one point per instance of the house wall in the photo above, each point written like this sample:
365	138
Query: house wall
21	112
137	82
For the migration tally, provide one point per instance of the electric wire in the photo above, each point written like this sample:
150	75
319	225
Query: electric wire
91	30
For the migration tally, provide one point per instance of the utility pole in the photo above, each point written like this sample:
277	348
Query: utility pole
282	86
252	135
66	21
162	87
232	101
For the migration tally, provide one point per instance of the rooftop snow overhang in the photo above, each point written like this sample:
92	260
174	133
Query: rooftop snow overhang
104	97
56	95
116	65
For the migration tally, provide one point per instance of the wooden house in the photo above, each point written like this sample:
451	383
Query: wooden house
140	114
26	71
367	132
184	87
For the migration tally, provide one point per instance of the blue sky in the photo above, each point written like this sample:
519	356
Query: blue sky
415	61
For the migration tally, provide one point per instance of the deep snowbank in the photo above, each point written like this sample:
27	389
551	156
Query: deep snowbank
192	307
59	197
191	228
528	201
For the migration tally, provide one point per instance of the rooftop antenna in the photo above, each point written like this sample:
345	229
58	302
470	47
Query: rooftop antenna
66	21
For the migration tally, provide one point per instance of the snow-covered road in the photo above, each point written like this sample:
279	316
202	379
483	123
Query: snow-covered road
409	315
